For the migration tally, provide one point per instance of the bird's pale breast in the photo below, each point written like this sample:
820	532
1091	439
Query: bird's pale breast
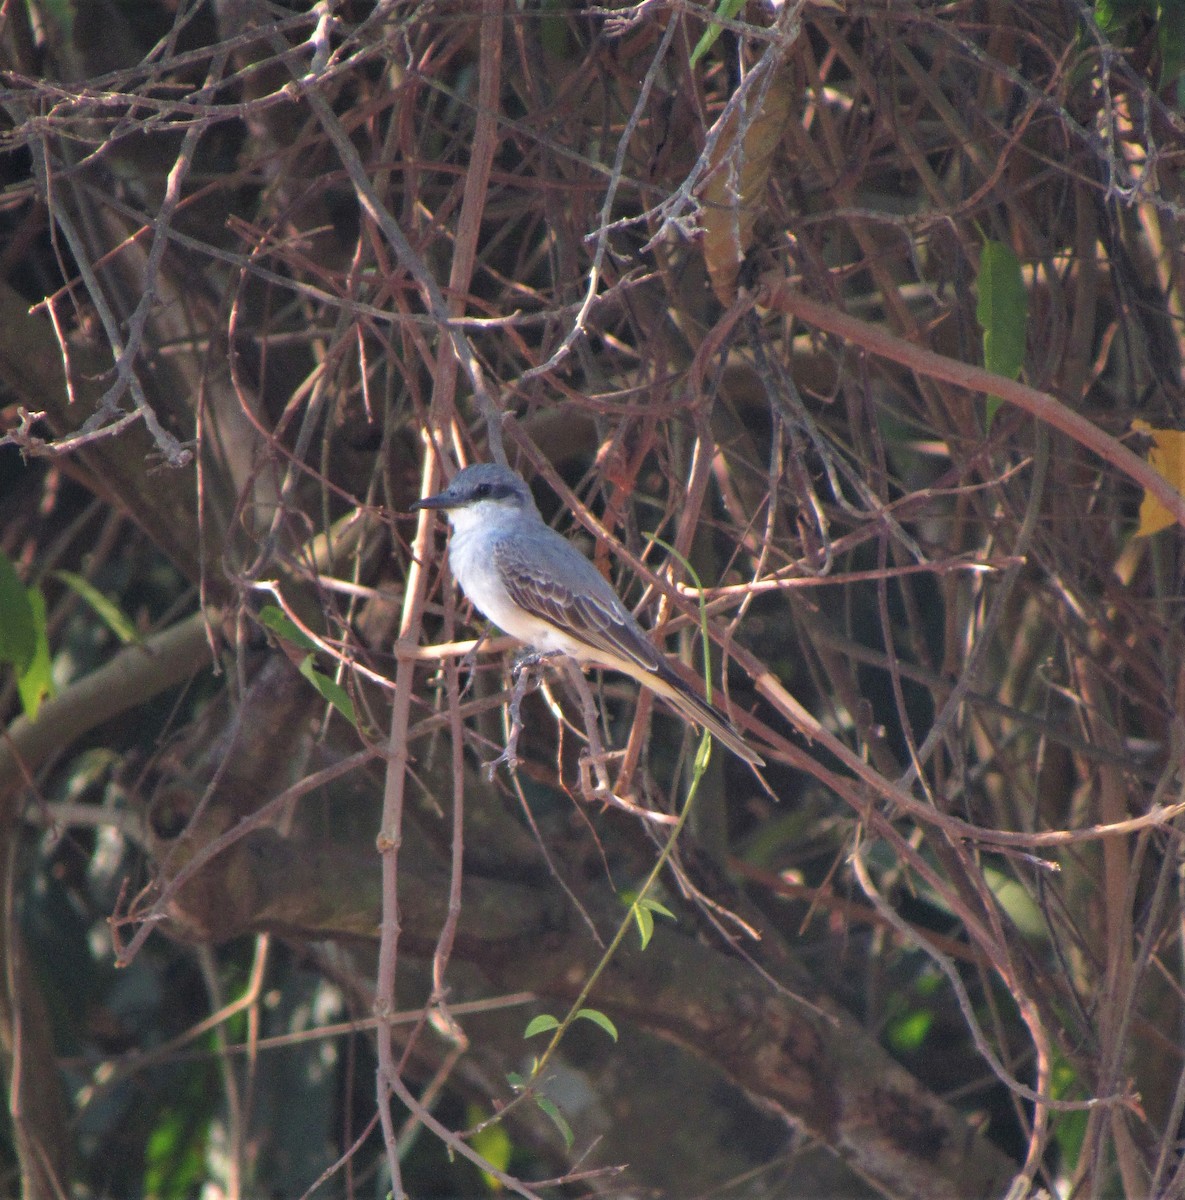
472	560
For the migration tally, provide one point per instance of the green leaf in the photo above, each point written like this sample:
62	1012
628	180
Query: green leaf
1111	15
330	689
275	619
726	9
62	11
557	1119
492	1143
105	608
282	625
656	906
175	1152
174	1159
553	29
18	631
543	1023
642	910
516	1081
1170	35
1070	1127
645	923
1002	312
35	682
909	1032
1023	910
599	1018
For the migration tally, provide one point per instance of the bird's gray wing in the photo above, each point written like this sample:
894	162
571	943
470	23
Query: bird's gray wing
553	581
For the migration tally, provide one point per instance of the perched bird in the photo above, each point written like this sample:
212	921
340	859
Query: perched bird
536	586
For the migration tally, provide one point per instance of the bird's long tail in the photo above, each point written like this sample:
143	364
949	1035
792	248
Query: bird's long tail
696	709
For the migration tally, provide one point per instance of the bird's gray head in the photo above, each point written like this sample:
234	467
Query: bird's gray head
495	489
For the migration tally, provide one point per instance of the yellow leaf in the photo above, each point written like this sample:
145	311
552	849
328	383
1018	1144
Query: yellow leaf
1168	457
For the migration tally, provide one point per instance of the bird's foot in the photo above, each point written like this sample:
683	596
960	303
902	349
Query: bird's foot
532	658
521	674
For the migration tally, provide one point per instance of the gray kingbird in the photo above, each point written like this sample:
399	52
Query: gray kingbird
536	586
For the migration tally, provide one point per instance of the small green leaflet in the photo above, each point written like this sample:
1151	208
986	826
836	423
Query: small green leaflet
909	1032
557	1119
543	1023
105	609
18	628
24	642
35	682
282	625
1124	20
517	1082
598	1018
553	29
726	9
1170	33
330	689
643	910
492	1143
1002	313
275	619
1111	13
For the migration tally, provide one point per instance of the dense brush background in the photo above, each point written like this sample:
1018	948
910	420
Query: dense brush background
268	272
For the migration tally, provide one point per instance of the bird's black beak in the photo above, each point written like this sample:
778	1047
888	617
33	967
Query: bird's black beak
440	500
